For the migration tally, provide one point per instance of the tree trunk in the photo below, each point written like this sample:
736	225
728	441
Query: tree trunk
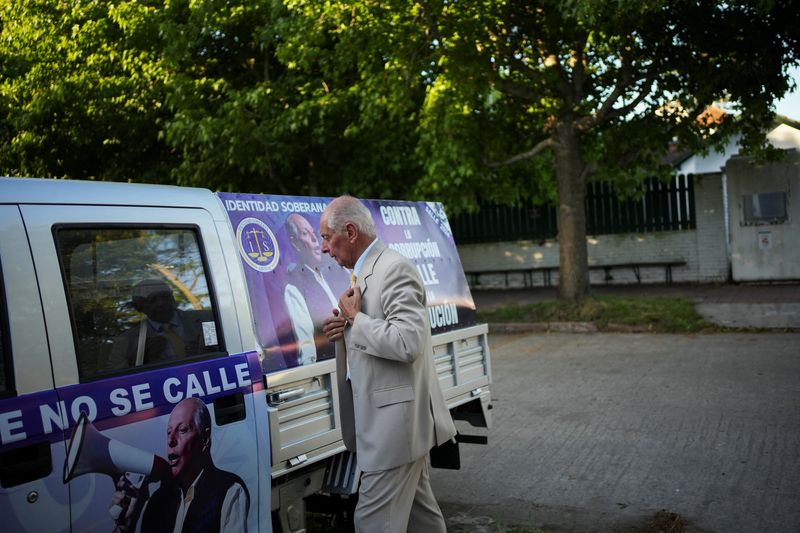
573	255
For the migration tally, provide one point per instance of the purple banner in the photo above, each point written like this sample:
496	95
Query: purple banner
119	401
136	429
294	287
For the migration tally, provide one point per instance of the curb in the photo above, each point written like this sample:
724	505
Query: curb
543	327
591	327
561	327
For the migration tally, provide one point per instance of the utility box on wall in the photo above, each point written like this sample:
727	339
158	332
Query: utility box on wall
764	218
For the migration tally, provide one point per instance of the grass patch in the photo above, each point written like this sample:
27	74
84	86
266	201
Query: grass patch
658	315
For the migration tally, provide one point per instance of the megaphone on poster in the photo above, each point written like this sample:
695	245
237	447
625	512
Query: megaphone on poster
89	451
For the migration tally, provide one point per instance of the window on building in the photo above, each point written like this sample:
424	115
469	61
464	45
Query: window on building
138	297
764	208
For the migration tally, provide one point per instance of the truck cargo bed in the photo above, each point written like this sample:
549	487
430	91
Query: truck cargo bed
303	401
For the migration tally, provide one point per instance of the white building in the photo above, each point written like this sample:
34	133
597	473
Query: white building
747	229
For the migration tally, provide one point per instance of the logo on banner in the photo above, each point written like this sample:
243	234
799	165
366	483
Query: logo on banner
436	212
257	244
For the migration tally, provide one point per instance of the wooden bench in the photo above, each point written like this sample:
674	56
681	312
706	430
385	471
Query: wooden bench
474	277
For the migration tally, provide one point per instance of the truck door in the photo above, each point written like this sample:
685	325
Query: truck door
32	496
154	392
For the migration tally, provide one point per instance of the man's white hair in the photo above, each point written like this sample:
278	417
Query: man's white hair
346	209
201	418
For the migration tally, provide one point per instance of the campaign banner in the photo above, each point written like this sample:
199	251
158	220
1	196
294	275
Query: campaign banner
294	287
119	401
121	450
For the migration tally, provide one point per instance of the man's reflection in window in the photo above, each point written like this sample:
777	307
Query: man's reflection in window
167	333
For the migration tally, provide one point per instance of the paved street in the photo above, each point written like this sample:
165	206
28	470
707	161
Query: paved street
598	432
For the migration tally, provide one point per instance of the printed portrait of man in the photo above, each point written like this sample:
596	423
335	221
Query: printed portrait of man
312	290
199	496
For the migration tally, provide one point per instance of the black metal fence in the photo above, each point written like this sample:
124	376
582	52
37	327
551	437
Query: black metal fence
665	206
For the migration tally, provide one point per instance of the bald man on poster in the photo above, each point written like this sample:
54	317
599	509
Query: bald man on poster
393	411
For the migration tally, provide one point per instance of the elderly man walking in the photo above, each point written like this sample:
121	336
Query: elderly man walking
393	411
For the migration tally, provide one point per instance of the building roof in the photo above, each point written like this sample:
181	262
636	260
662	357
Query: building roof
784	137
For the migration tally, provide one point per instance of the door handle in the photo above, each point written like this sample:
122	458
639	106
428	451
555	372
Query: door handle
276	398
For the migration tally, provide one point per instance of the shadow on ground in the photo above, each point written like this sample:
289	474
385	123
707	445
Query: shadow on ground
467	520
571	521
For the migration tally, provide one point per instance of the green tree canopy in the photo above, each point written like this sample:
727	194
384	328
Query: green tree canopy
81	91
592	90
278	97
507	100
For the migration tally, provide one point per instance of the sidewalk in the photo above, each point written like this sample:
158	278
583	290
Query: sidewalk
735	305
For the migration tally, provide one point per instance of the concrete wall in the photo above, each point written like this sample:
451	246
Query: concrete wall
703	249
764	252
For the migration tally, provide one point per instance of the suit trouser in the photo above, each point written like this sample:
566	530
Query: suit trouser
398	500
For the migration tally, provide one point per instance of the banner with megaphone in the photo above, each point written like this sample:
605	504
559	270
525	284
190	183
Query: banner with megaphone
89	451
118	427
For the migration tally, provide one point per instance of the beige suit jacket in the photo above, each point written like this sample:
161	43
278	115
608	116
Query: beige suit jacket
392	408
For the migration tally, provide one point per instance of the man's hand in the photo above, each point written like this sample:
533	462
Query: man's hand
333	327
127	503
350	303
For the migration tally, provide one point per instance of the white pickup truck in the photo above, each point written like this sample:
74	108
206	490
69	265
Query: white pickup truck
160	346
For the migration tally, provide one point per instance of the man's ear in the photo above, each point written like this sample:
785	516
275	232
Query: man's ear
352	231
206	440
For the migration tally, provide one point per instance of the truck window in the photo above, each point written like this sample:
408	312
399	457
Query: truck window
138	297
2	355
5	345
